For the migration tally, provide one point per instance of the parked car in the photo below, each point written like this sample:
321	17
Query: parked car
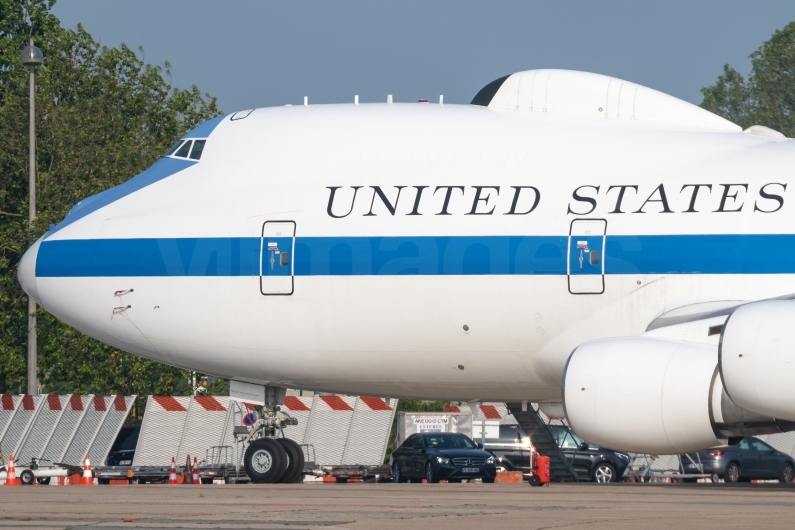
590	461
123	450
441	456
747	459
511	449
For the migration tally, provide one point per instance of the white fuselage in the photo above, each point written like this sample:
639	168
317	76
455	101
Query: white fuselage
397	298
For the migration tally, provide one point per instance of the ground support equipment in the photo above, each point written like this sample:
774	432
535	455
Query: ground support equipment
560	469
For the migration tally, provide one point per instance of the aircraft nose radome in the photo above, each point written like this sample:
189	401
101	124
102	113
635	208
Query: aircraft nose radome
26	273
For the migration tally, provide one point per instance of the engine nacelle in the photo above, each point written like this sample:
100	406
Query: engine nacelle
642	394
654	396
757	357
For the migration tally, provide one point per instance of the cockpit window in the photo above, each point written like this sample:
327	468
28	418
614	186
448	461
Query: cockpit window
184	150
198	147
173	148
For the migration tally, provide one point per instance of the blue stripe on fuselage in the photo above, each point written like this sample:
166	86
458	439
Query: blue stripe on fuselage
425	255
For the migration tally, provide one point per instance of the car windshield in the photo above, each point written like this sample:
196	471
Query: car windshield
567	439
449	441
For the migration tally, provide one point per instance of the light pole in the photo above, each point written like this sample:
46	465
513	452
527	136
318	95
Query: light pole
32	57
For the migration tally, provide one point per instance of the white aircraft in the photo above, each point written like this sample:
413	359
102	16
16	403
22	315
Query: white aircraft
568	238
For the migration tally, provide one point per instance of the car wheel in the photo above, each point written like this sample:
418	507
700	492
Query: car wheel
733	473
429	474
787	474
27	477
604	473
265	461
397	476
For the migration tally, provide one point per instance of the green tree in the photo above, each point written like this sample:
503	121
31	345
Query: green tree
767	97
103	116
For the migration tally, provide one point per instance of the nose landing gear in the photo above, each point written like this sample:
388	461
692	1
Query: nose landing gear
268	459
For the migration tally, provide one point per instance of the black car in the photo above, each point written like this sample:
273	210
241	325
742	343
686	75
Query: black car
511	450
748	458
123	450
441	456
590	461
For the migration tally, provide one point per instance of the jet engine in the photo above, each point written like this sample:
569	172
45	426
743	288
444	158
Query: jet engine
654	396
757	357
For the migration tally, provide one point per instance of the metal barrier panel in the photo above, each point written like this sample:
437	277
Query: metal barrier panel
300	408
665	463
204	426
783	441
20	423
161	430
329	424
8	407
369	431
118	408
95	412
50	410
74	408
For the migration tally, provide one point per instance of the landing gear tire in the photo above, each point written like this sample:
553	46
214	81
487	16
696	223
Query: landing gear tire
787	474
534	480
265	461
733	473
604	473
295	460
27	477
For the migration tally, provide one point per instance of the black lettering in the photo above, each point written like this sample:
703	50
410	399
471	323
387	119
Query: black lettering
447	197
726	188
765	195
663	200
377	191
580	198
415	211
696	188
478	198
535	202
331	201
621	191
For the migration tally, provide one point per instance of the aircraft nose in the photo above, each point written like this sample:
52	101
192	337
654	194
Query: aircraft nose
26	273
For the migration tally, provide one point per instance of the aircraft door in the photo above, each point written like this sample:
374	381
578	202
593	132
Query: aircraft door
276	263
586	260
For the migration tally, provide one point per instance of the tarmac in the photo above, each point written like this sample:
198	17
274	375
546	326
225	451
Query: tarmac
392	506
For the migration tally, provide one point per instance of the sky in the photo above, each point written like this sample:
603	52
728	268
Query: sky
259	53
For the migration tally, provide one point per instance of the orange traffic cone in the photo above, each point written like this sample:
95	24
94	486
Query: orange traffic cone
11	474
172	476
88	477
188	471
196	479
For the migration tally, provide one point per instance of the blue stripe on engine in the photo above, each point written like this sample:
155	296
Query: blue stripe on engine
440	255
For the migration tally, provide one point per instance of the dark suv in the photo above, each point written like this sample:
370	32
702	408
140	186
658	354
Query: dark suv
511	450
590	461
123	450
